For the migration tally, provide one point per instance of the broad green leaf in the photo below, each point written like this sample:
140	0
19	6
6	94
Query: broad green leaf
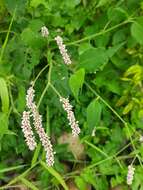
112	50
36	3
93	59
93	114
89	177
54	173
81	184
83	47
76	82
4	95
137	30
103	2
117	14
32	38
19	5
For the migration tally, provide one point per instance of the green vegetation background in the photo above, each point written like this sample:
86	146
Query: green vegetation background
104	85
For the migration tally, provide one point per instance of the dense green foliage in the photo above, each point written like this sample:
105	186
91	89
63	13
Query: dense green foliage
103	83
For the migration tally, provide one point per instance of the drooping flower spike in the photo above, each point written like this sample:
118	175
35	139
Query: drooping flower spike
27	131
44	138
130	174
44	32
70	115
37	122
63	50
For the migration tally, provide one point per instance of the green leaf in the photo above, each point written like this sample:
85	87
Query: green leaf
137	30
93	59
53	172
89	177
28	183
94	110
4	95
112	50
21	98
32	38
128	108
12	168
76	82
19	5
36	3
81	184
4	124
102	3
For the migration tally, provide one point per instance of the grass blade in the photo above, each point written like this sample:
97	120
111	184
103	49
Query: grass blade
53	172
4	95
28	184
12	168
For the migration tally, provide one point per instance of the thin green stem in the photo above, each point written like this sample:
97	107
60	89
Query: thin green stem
12	168
42	70
100	33
106	103
5	31
46	87
96	148
102	152
55	90
43	94
7	36
119	117
38	148
17	177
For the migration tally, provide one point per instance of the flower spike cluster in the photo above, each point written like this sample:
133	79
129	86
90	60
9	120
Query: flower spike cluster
63	50
130	174
70	115
27	131
37	121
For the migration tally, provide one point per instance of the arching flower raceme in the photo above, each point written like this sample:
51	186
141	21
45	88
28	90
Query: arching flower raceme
45	140
37	118
130	174
44	32
27	131
70	115
30	97
63	50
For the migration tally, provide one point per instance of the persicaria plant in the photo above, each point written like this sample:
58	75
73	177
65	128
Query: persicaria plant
32	111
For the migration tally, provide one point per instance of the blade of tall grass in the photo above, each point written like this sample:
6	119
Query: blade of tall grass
12	168
28	183
53	172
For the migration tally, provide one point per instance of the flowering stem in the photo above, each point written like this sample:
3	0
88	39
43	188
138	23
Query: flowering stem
55	90
7	36
100	33
42	95
42	70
